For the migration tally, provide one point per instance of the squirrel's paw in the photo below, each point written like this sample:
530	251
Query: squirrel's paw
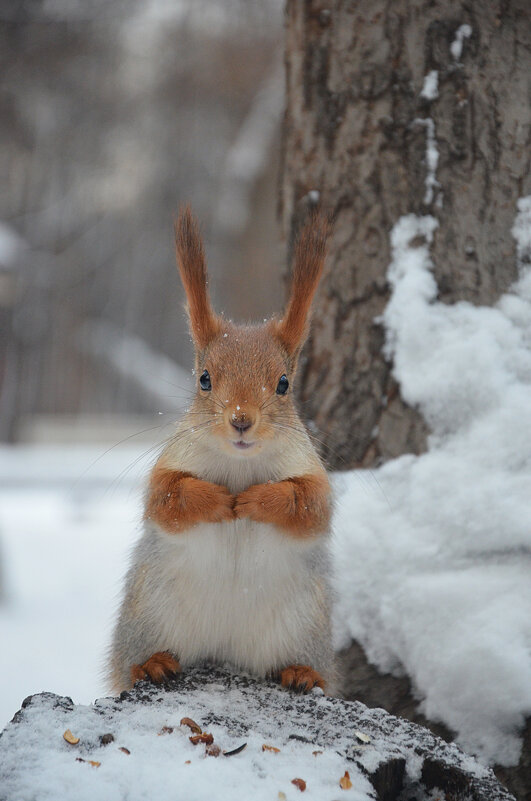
178	501
216	500
301	677
158	668
259	502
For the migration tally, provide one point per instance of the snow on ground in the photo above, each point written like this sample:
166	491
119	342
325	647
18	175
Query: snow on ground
67	522
434	552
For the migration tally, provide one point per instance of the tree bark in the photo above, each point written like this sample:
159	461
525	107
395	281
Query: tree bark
356	132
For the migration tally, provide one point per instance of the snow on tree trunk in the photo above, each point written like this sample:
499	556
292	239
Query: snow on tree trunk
396	108
148	743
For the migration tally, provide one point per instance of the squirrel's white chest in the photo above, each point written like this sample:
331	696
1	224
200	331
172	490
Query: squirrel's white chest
236	592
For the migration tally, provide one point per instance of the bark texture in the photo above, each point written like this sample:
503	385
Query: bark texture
355	140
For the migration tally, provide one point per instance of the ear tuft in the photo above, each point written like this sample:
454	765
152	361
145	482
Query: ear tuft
204	324
309	257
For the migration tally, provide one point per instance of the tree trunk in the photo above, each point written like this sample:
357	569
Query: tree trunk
362	141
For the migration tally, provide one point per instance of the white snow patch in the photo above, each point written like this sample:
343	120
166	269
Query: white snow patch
430	88
462	33
157	763
522	232
68	517
432	159
434	574
167	764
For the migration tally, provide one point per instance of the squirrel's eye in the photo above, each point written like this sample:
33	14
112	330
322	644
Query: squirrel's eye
204	380
282	386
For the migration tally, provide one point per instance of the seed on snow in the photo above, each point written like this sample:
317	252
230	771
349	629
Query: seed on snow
208	739
166	730
191	725
235	750
70	738
345	782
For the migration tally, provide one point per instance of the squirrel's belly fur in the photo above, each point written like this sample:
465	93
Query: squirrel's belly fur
237	592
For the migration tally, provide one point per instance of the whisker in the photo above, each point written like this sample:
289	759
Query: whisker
216	400
123	473
173	438
112	447
269	398
321	442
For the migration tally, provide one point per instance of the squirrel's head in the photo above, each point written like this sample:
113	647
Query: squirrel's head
245	373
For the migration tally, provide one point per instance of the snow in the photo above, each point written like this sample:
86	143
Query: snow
432	159
522	232
430	88
434	575
314	736
462	33
165	765
68	516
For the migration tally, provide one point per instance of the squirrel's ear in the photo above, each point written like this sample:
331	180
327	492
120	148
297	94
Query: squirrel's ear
310	251
204	324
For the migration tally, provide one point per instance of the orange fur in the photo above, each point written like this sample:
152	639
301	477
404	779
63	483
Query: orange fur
157	668
300	506
178	500
204	323
310	252
245	363
301	677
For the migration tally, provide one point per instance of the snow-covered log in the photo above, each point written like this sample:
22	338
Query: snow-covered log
264	743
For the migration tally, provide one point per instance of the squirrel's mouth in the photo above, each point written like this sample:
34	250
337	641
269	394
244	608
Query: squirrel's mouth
241	445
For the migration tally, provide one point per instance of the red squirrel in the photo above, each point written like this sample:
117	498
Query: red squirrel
233	565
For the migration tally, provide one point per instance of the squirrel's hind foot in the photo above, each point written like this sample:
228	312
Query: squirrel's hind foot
157	668
301	677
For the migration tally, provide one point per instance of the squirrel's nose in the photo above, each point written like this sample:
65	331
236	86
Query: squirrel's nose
241	425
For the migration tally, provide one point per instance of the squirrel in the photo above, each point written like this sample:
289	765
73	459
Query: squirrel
233	564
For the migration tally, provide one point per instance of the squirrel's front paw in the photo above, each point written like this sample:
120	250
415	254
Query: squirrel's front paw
261	502
179	500
209	502
158	668
301	677
299	506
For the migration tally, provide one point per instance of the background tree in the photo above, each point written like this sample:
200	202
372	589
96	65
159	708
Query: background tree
398	108
395	108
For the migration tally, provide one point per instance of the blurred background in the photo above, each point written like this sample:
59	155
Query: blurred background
111	116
